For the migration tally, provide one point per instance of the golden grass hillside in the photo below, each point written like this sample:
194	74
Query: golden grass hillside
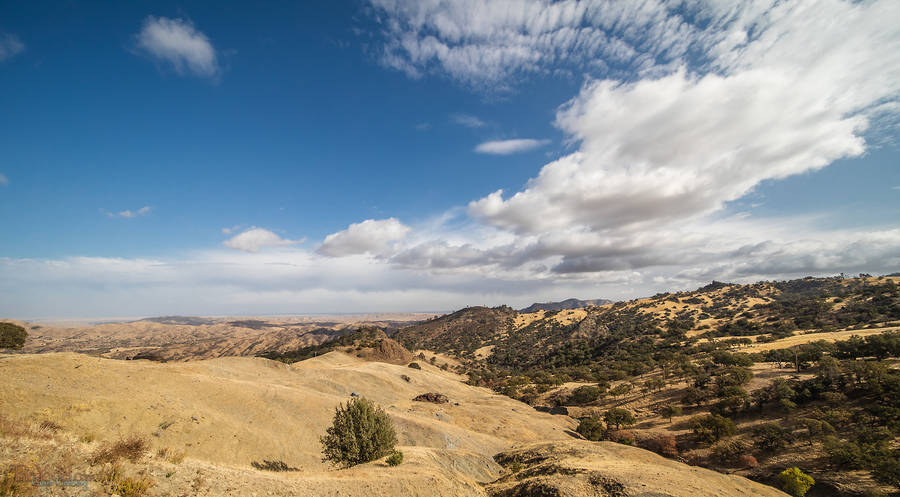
220	415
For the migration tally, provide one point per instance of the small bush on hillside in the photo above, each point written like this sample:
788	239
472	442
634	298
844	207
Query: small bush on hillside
747	461
591	428
414	365
728	451
132	448
395	459
624	437
267	465
405	378
360	432
796	482
12	336
663	444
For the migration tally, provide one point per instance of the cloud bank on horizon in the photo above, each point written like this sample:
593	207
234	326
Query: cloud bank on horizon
685	109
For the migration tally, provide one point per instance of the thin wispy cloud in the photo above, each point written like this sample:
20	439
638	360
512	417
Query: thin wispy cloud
468	120
10	46
128	213
179	44
507	147
4	181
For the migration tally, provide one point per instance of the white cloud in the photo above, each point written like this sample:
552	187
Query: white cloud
3	180
507	147
468	121
368	237
254	239
129	214
177	42
10	46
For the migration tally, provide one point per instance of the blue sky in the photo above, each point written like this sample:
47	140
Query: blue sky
160	158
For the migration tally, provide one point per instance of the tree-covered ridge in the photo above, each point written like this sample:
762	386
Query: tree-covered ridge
459	333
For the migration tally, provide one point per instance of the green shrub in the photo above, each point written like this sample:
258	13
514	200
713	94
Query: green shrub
395	458
12	336
360	432
591	428
415	365
795	482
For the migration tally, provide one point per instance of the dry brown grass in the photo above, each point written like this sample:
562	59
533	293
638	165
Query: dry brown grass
13	428
116	483
131	448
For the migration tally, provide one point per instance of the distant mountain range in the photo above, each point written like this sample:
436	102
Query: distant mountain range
565	304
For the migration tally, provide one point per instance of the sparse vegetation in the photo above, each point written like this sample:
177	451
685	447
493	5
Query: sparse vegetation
360	432
277	466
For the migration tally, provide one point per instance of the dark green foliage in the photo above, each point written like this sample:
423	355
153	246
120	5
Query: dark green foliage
364	336
12	336
360	432
770	437
591	428
584	394
414	365
395	459
712	427
618	417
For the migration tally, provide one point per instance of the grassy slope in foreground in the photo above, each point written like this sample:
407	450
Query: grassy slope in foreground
225	413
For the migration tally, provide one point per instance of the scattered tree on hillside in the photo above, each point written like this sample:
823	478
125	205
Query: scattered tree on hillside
670	411
618	417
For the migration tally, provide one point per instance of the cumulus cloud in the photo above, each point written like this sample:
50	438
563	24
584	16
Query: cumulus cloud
368	237
129	214
10	46
468	121
4	180
507	147
254	239
178	43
